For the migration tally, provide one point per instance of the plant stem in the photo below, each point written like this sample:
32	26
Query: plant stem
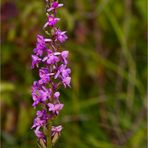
49	142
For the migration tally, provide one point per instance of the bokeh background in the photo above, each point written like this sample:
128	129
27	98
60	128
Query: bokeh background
106	106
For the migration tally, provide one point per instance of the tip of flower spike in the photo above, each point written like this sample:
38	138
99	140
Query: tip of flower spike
54	6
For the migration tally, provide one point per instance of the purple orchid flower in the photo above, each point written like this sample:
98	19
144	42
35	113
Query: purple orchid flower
52	66
41	45
62	72
66	81
55	108
57	95
56	130
51	59
51	21
54	6
39	134
35	61
60	36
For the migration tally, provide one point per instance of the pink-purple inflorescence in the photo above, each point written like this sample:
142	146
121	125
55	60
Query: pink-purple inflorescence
51	63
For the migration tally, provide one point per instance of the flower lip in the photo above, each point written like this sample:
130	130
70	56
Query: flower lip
56	95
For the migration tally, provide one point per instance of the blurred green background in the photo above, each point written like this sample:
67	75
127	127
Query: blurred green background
106	106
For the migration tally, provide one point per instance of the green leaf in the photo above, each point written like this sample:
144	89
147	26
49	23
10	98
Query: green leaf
24	120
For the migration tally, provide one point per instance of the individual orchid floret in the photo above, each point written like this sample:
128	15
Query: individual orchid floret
55	108
41	45
56	130
60	36
51	21
43	95
35	61
41	114
43	71
39	134
54	6
55	133
41	119
36	100
62	72
38	122
51	59
40	95
64	55
66	72
57	95
44	75
66	81
35	87
47	92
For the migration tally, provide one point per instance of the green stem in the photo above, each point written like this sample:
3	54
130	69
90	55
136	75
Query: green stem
47	132
49	142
